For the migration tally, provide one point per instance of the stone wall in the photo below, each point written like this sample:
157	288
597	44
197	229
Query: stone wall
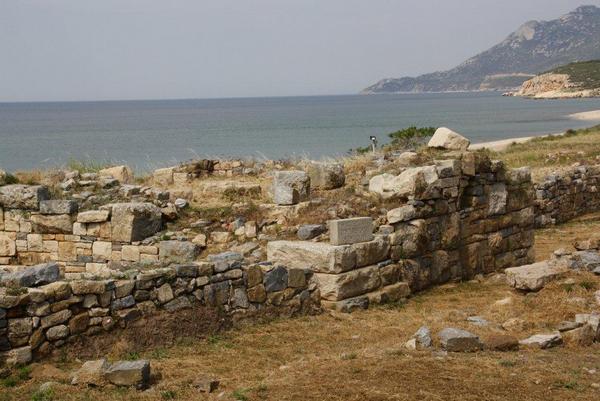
453	220
565	195
93	243
36	320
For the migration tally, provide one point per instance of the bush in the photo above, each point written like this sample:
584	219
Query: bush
411	137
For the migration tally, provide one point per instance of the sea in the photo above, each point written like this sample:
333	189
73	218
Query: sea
149	134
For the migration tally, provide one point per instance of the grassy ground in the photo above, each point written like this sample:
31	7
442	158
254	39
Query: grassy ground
361	356
547	153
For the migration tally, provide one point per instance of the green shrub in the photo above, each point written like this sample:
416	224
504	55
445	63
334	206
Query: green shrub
411	137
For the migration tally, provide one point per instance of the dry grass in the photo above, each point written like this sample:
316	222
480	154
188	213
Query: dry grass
563	236
575	146
361	356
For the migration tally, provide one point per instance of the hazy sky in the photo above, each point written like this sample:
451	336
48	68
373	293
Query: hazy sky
138	49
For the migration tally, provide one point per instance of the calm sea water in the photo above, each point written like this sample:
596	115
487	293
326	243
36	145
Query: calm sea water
150	134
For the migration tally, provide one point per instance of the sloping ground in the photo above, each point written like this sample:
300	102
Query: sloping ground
361	356
585	75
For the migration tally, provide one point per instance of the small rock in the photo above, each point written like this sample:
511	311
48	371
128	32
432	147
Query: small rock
206	385
181	203
91	373
423	337
478	321
309	231
566	326
456	340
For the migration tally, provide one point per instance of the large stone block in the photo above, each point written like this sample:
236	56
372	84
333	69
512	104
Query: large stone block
122	173
535	276
8	246
317	256
135	221
129	373
418	182
93	216
456	340
335	287
177	251
32	276
372	252
445	138
350	231
58	206
19	196
326	175
290	187
52	224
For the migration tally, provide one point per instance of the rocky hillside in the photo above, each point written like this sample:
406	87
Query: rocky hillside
573	80
535	47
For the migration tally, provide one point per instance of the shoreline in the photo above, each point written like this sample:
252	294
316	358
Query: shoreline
503	144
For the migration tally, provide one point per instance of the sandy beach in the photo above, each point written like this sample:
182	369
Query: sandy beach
593	115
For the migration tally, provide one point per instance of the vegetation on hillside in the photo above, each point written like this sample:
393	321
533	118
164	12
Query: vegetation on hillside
584	74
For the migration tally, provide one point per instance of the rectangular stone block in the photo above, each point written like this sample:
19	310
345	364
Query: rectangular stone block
351	231
335	287
58	206
317	256
26	197
372	252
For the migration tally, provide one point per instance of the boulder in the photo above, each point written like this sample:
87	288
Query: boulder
276	279
32	276
58	206
163	177
445	138
533	277
326	175
28	197
52	224
582	336
290	187
122	173
309	231
177	251
542	341
18	356
135	221
456	340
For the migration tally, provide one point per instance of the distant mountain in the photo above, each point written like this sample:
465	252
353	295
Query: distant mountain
535	47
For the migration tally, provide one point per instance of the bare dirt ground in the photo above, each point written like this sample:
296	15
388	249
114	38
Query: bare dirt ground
361	356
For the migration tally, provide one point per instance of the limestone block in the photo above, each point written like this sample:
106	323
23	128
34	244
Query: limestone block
177	251
135	221
290	187
372	252
26	197
102	250
543	341
93	216
445	138
163	177
326	175
58	206
316	256
32	276
335	287
456	340
130	253
8	246
350	231
533	277
129	373
122	173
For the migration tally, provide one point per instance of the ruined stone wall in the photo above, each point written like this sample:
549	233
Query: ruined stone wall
94	243
36	320
454	219
565	195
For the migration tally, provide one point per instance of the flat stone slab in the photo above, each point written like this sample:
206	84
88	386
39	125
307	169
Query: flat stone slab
542	341
351	231
32	276
18	196
316	256
533	277
457	340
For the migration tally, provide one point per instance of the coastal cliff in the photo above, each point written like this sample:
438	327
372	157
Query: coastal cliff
576	80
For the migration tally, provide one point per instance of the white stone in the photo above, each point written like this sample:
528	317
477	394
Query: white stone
533	277
445	138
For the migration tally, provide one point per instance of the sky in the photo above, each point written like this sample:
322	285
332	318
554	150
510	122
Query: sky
58	50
